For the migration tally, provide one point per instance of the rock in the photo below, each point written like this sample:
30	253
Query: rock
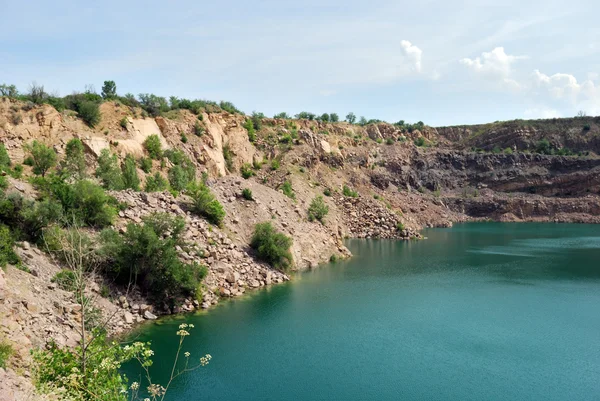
232	277
128	317
149	315
26	245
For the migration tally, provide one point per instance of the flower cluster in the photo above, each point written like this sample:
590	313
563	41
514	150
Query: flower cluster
156	390
205	359
182	329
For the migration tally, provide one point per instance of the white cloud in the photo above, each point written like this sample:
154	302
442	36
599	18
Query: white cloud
493	65
541	112
412	53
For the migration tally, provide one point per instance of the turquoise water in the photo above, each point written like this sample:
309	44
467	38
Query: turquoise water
482	311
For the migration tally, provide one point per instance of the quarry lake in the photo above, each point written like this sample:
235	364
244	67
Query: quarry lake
480	311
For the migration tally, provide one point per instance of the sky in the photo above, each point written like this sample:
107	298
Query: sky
441	62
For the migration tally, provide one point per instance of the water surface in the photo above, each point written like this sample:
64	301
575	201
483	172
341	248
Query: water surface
481	311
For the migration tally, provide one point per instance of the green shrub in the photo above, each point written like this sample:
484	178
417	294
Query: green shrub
153	147
74	164
257	164
246	170
156	183
4	159
327	192
400	226
318	210
389	141
43	158
184	138
272	246
586	127
123	122
198	128
178	178
543	146
333	259
275	164
7	252
35	216
508	151
420	141
109	90
108	171
148	256
6	351
3	182
206	205
89	112
146	164
65	279
228	157
17	171
287	190
347	191
129	172
247	194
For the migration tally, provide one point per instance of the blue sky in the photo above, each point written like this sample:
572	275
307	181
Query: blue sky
442	62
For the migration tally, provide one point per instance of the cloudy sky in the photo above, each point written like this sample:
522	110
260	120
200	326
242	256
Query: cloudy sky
442	62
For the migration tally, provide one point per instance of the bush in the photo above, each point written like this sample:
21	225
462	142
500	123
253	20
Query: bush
65	279
89	112
389	141
420	141
108	171
6	351
246	170
156	183
399	227
146	254
206	205
198	129
74	165
251	131
275	164
508	151
7	252
130	175
247	194
228	157
287	190
178	178
109	90
327	192
123	122
3	182
184	138
544	147
146	164
4	158
153	147
43	158
318	210
272	246
347	191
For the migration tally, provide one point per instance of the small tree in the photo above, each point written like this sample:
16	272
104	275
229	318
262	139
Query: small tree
153	146
130	175
156	183
109	90
205	204
74	165
351	118
37	93
272	246
108	171
334	118
318	210
43	158
89	112
8	91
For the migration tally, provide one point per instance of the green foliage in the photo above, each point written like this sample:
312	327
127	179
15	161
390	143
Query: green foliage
247	194
389	141
544	147
153	104
229	107
179	178
283	115
586	127
65	279
257	120
272	246
3	182
74	165
275	164
246	170
184	138
156	183
400	226
347	191
334	118
362	122
198	129
9	91
249	125
89	112
333	259
508	151
123	122
304	115
4	158
108	171
129	172
146	254
7	252
206	205
327	192
318	209
43	158
153	147
287	190
351	118
109	90
6	351
228	156
420	141
146	164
